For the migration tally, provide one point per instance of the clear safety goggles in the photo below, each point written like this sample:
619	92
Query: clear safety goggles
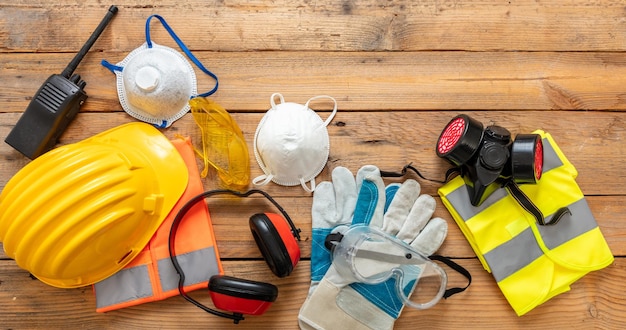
368	255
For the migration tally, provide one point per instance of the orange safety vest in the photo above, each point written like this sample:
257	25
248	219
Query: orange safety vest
151	275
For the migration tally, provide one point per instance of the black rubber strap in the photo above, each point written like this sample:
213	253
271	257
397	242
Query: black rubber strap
331	240
408	167
460	269
530	207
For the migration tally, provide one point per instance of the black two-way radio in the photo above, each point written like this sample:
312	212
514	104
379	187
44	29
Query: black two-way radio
55	104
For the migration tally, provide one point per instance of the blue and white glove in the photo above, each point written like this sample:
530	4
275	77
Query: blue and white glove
399	210
333	205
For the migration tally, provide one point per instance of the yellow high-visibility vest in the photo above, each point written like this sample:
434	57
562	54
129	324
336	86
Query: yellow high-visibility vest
530	262
151	275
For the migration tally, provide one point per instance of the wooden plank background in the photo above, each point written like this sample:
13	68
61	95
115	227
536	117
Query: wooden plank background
399	71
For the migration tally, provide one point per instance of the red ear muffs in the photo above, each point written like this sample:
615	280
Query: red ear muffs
278	246
241	296
275	236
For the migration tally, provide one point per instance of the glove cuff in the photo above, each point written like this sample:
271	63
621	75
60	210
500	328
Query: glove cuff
332	307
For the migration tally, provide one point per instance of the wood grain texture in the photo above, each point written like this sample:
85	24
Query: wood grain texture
592	302
429	80
327	25
392	139
400	70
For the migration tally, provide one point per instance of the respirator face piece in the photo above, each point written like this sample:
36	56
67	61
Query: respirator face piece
368	255
156	84
486	155
291	143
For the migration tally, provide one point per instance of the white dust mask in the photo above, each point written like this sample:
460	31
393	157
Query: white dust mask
155	82
291	143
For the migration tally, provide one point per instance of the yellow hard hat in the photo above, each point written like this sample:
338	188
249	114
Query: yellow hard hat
79	213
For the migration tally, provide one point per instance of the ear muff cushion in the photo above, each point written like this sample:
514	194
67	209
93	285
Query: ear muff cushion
241	288
276	242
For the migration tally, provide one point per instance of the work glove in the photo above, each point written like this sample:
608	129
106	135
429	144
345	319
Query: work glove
398	210
333	205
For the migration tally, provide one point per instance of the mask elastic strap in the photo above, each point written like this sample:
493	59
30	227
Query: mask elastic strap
304	185
273	97
406	168
332	114
112	67
262	180
184	48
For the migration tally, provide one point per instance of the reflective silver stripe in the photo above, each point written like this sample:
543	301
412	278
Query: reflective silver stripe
459	197
198	267
513	255
460	201
579	223
134	283
125	285
523	249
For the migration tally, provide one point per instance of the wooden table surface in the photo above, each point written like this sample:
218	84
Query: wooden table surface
400	70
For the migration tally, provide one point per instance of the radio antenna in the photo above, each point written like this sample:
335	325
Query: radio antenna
92	39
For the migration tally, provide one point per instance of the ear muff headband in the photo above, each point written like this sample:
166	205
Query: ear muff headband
236	317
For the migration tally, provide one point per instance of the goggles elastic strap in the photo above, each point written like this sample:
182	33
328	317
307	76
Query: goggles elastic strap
334	238
458	268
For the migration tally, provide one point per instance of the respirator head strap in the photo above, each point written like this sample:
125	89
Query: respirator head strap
530	207
409	166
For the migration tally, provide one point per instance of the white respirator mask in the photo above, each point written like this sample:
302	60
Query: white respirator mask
155	83
291	143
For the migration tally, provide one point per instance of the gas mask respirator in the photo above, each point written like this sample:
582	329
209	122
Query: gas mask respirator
488	155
